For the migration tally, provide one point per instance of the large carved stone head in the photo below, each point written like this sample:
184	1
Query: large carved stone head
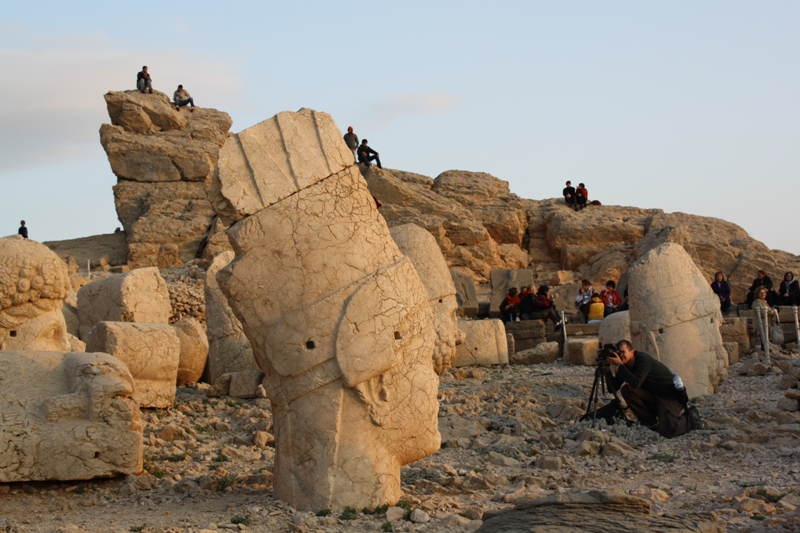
33	285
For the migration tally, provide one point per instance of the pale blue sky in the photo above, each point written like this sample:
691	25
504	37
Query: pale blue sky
684	105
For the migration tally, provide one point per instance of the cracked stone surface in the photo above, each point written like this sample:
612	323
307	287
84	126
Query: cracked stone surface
484	343
66	417
337	317
150	351
34	283
420	246
675	317
140	295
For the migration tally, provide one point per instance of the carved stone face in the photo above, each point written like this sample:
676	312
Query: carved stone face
47	331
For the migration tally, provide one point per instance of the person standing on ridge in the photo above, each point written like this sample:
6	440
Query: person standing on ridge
143	81
367	154
182	98
22	229
351	139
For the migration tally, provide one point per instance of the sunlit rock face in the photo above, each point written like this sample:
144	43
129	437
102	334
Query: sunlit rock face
337	317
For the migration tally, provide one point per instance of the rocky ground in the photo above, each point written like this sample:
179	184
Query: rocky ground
509	434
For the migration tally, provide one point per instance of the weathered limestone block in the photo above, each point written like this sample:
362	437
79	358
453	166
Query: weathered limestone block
228	347
546	352
733	352
245	384
140	295
465	293
527	333
274	159
675	317
502	280
582	351
484	343
66	416
583	330
421	248
150	351
735	330
194	350
337	318
615	327
33	286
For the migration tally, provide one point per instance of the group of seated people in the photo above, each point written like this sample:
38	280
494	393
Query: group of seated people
788	293
596	306
528	305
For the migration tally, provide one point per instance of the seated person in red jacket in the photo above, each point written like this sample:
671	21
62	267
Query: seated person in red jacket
581	196
542	308
611	298
510	306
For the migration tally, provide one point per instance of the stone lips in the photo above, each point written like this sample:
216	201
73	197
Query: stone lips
274	159
675	317
67	417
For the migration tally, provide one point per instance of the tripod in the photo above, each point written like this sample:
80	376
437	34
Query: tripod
602	385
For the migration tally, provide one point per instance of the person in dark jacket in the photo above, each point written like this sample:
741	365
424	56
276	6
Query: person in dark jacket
650	392
569	195
723	290
510	306
367	154
789	291
22	229
542	307
762	280
143	81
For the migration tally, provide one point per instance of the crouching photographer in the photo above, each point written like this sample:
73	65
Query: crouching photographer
653	393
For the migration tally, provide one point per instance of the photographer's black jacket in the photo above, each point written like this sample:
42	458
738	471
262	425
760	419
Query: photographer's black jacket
648	373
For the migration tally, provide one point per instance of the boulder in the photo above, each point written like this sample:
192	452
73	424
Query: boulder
228	347
110	248
582	351
484	343
615	327
502	280
421	248
675	317
162	158
67	417
194	350
140	295
465	293
150	351
736	330
733	352
34	285
337	317
546	352
527	333
245	384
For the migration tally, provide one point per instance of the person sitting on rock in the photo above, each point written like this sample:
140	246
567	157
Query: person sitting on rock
723	290
611	298
351	140
367	154
650	392
569	195
762	280
143	81
789	290
581	196
182	98
22	229
596	310
510	306
544	308
584	297
764	311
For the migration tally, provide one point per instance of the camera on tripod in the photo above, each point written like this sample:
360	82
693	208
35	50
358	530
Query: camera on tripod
604	352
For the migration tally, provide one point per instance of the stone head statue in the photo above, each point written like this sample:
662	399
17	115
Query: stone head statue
421	248
33	285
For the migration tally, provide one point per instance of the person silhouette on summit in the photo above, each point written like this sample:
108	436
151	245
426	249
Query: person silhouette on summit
143	81
22	229
351	139
182	98
367	154
569	194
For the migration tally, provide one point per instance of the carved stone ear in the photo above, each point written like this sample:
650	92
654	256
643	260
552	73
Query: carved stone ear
376	394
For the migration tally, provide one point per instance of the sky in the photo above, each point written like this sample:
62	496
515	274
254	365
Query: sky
688	106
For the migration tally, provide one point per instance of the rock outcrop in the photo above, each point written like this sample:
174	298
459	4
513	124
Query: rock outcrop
337	317
67	417
162	159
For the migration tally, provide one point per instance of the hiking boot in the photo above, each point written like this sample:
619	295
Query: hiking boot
694	418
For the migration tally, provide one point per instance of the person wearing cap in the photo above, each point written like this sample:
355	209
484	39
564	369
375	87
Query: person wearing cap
143	81
351	139
182	98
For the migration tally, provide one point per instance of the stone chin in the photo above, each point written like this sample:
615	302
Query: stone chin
46	332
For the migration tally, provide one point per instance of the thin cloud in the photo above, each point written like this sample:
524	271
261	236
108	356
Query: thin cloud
52	106
387	110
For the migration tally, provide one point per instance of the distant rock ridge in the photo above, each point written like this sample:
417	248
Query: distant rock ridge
162	159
